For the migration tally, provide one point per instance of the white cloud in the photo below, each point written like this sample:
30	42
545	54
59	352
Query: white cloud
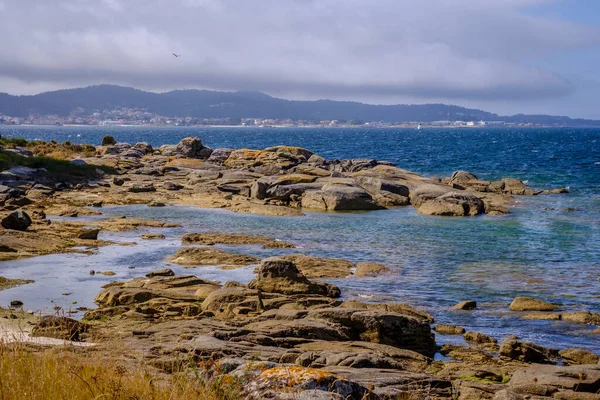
385	49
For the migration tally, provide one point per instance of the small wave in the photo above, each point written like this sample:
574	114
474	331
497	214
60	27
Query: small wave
366	296
597	163
526	181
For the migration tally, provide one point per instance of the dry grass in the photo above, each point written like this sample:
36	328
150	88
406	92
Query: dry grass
68	374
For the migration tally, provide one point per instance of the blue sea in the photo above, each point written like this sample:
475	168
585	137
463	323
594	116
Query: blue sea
547	248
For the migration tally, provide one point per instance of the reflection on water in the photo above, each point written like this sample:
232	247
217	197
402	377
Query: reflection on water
437	261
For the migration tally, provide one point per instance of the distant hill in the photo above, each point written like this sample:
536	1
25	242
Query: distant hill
212	104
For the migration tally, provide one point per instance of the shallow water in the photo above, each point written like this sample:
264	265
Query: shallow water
539	250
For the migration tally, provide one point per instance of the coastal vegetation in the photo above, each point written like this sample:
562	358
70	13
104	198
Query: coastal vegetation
70	373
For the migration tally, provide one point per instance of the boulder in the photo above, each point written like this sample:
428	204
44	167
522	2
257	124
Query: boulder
478	338
17	220
321	354
276	275
339	198
219	155
523	303
453	204
145	147
108	141
461	177
191	147
527	352
466	305
365	269
291	150
584	317
210	256
578	356
316	267
447	329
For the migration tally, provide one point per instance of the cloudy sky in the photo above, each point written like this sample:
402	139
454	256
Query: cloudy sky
506	56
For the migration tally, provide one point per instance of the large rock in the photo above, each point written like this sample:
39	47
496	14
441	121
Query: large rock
453	204
276	275
17	220
578	356
523	303
339	198
365	269
425	193
281	157
528	352
322	354
210	256
584	317
462	177
191	147
219	155
108	141
316	267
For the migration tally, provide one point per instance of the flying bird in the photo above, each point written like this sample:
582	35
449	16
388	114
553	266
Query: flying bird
176	55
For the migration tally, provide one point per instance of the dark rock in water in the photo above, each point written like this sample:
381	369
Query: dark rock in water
17	220
528	352
59	328
523	303
141	188
16	303
276	275
108	141
447	329
479	338
89	234
466	305
453	204
160	272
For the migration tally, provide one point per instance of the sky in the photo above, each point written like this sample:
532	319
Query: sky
504	56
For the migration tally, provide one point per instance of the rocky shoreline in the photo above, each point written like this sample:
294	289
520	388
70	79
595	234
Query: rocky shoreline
279	181
286	334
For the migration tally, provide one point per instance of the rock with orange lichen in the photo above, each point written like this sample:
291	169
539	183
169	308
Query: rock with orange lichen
294	379
284	157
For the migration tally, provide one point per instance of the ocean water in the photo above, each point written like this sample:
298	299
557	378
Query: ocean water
548	247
